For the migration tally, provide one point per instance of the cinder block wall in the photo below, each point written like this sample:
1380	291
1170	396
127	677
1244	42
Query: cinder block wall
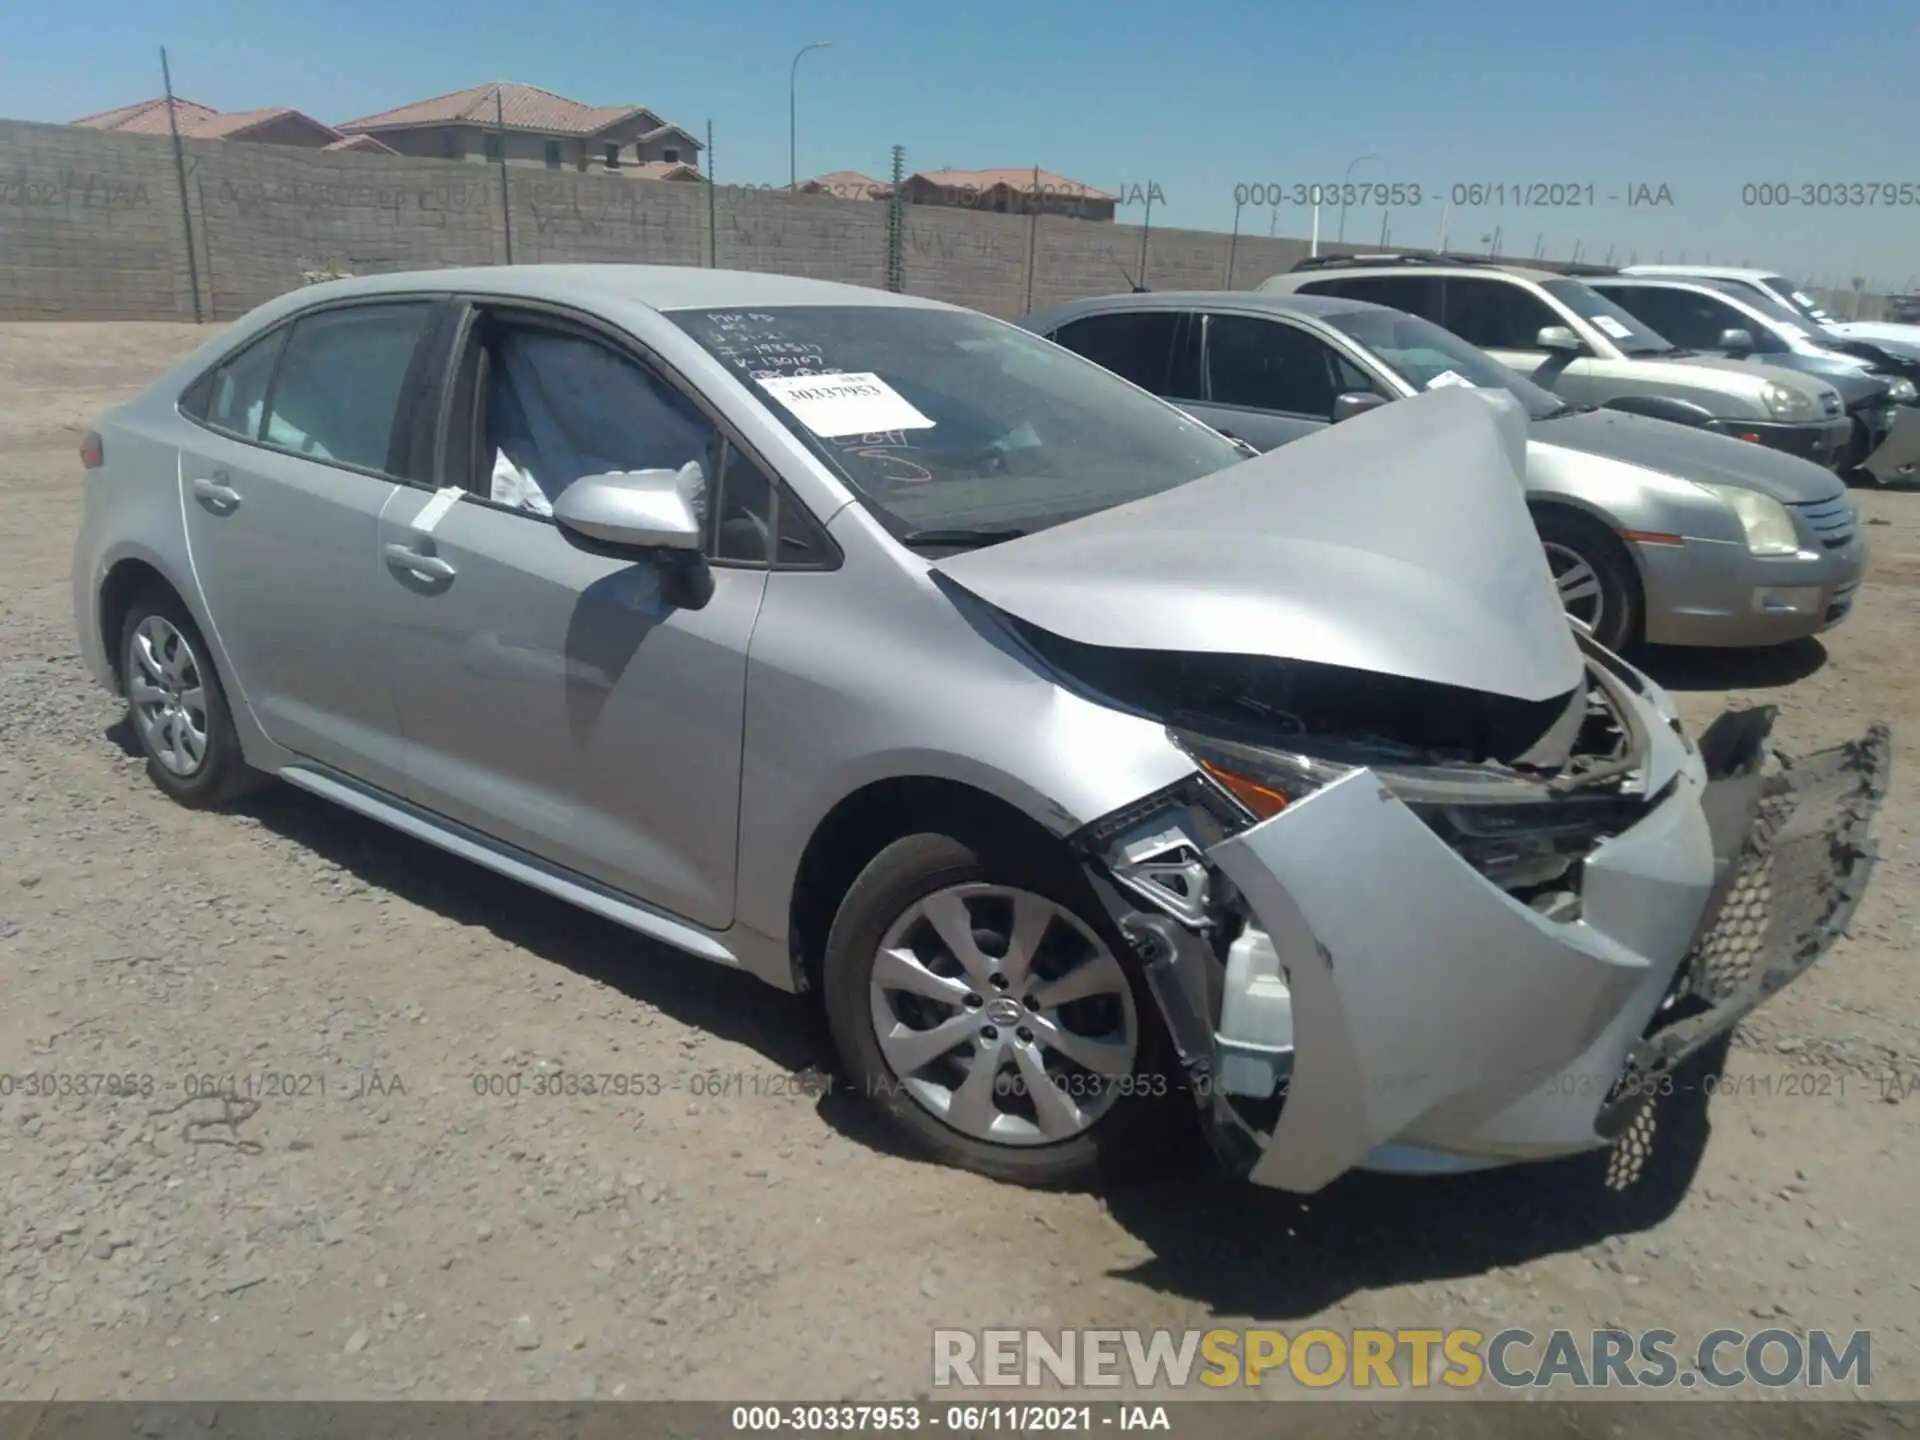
91	228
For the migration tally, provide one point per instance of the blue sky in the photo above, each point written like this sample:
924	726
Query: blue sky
1702	96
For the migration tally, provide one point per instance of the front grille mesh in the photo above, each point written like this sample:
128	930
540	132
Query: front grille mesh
1832	520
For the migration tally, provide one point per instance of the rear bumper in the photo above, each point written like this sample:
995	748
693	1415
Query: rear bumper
1413	1016
1825	442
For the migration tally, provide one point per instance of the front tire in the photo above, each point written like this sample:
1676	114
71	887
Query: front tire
177	707
1594	574
984	1003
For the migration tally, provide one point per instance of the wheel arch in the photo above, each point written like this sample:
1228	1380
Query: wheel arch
1607	529
865	821
127	578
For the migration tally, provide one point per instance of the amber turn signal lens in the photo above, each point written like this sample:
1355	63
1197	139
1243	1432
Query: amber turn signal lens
1263	800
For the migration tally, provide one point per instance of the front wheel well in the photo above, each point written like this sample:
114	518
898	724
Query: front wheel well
125	583
871	818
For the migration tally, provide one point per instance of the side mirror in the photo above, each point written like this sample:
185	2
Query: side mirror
643	510
634	510
1356	402
1560	338
1735	342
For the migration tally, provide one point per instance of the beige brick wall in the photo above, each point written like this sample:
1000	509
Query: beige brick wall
90	228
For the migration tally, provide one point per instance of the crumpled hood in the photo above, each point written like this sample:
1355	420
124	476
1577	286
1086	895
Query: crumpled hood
1397	542
1691	454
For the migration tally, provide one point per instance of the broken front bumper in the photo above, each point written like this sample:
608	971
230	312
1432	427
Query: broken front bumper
1400	1011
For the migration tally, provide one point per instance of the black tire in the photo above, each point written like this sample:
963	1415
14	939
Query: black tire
222	774
1568	534
909	870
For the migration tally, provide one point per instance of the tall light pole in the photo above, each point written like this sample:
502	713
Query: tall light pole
1344	180
793	75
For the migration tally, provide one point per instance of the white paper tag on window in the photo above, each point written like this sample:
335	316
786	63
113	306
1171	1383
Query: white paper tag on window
1612	326
845	404
435	510
1449	377
1805	299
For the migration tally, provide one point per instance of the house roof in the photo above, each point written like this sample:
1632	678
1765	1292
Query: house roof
195	121
519	107
662	170
365	144
1014	177
846	185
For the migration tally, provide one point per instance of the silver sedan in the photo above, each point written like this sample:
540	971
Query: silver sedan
1656	531
1088	772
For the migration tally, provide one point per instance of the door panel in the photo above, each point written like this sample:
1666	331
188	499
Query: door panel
283	549
553	699
281	536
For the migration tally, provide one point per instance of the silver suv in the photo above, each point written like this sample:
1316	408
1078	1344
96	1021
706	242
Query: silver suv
1586	349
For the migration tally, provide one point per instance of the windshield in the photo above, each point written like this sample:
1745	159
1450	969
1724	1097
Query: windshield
947	420
1768	304
1802	303
1631	335
1429	358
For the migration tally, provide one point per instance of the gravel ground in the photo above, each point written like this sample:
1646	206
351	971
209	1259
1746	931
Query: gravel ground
372	1226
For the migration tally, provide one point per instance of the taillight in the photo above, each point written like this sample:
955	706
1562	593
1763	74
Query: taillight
92	453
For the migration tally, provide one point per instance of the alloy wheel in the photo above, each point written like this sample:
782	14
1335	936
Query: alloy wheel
169	699
1579	584
1003	1014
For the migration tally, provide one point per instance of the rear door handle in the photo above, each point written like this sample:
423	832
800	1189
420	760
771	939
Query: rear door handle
217	494
403	557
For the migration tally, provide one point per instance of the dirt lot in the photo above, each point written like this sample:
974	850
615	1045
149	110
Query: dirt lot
384	1230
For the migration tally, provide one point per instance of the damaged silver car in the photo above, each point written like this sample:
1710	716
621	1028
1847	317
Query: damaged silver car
884	650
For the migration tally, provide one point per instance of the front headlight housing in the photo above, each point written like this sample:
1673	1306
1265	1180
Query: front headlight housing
1784	402
1515	831
1903	391
1764	520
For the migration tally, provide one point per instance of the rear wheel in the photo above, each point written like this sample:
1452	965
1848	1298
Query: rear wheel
177	707
989	1009
1594	575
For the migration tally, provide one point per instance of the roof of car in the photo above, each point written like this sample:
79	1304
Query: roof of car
1718	272
1279	301
1422	267
661	287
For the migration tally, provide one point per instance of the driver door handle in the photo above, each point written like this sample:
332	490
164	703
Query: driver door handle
216	493
432	567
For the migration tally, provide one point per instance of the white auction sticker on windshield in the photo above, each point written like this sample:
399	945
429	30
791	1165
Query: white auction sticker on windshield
1449	377
845	404
1612	326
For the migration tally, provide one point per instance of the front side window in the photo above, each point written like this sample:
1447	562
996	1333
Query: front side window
1633	337
1155	349
944	419
610	154
557	405
553	154
336	394
1429	358
490	146
1270	365
1496	314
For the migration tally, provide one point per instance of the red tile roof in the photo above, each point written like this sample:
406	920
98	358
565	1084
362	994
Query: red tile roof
366	144
195	121
1014	177
520	107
